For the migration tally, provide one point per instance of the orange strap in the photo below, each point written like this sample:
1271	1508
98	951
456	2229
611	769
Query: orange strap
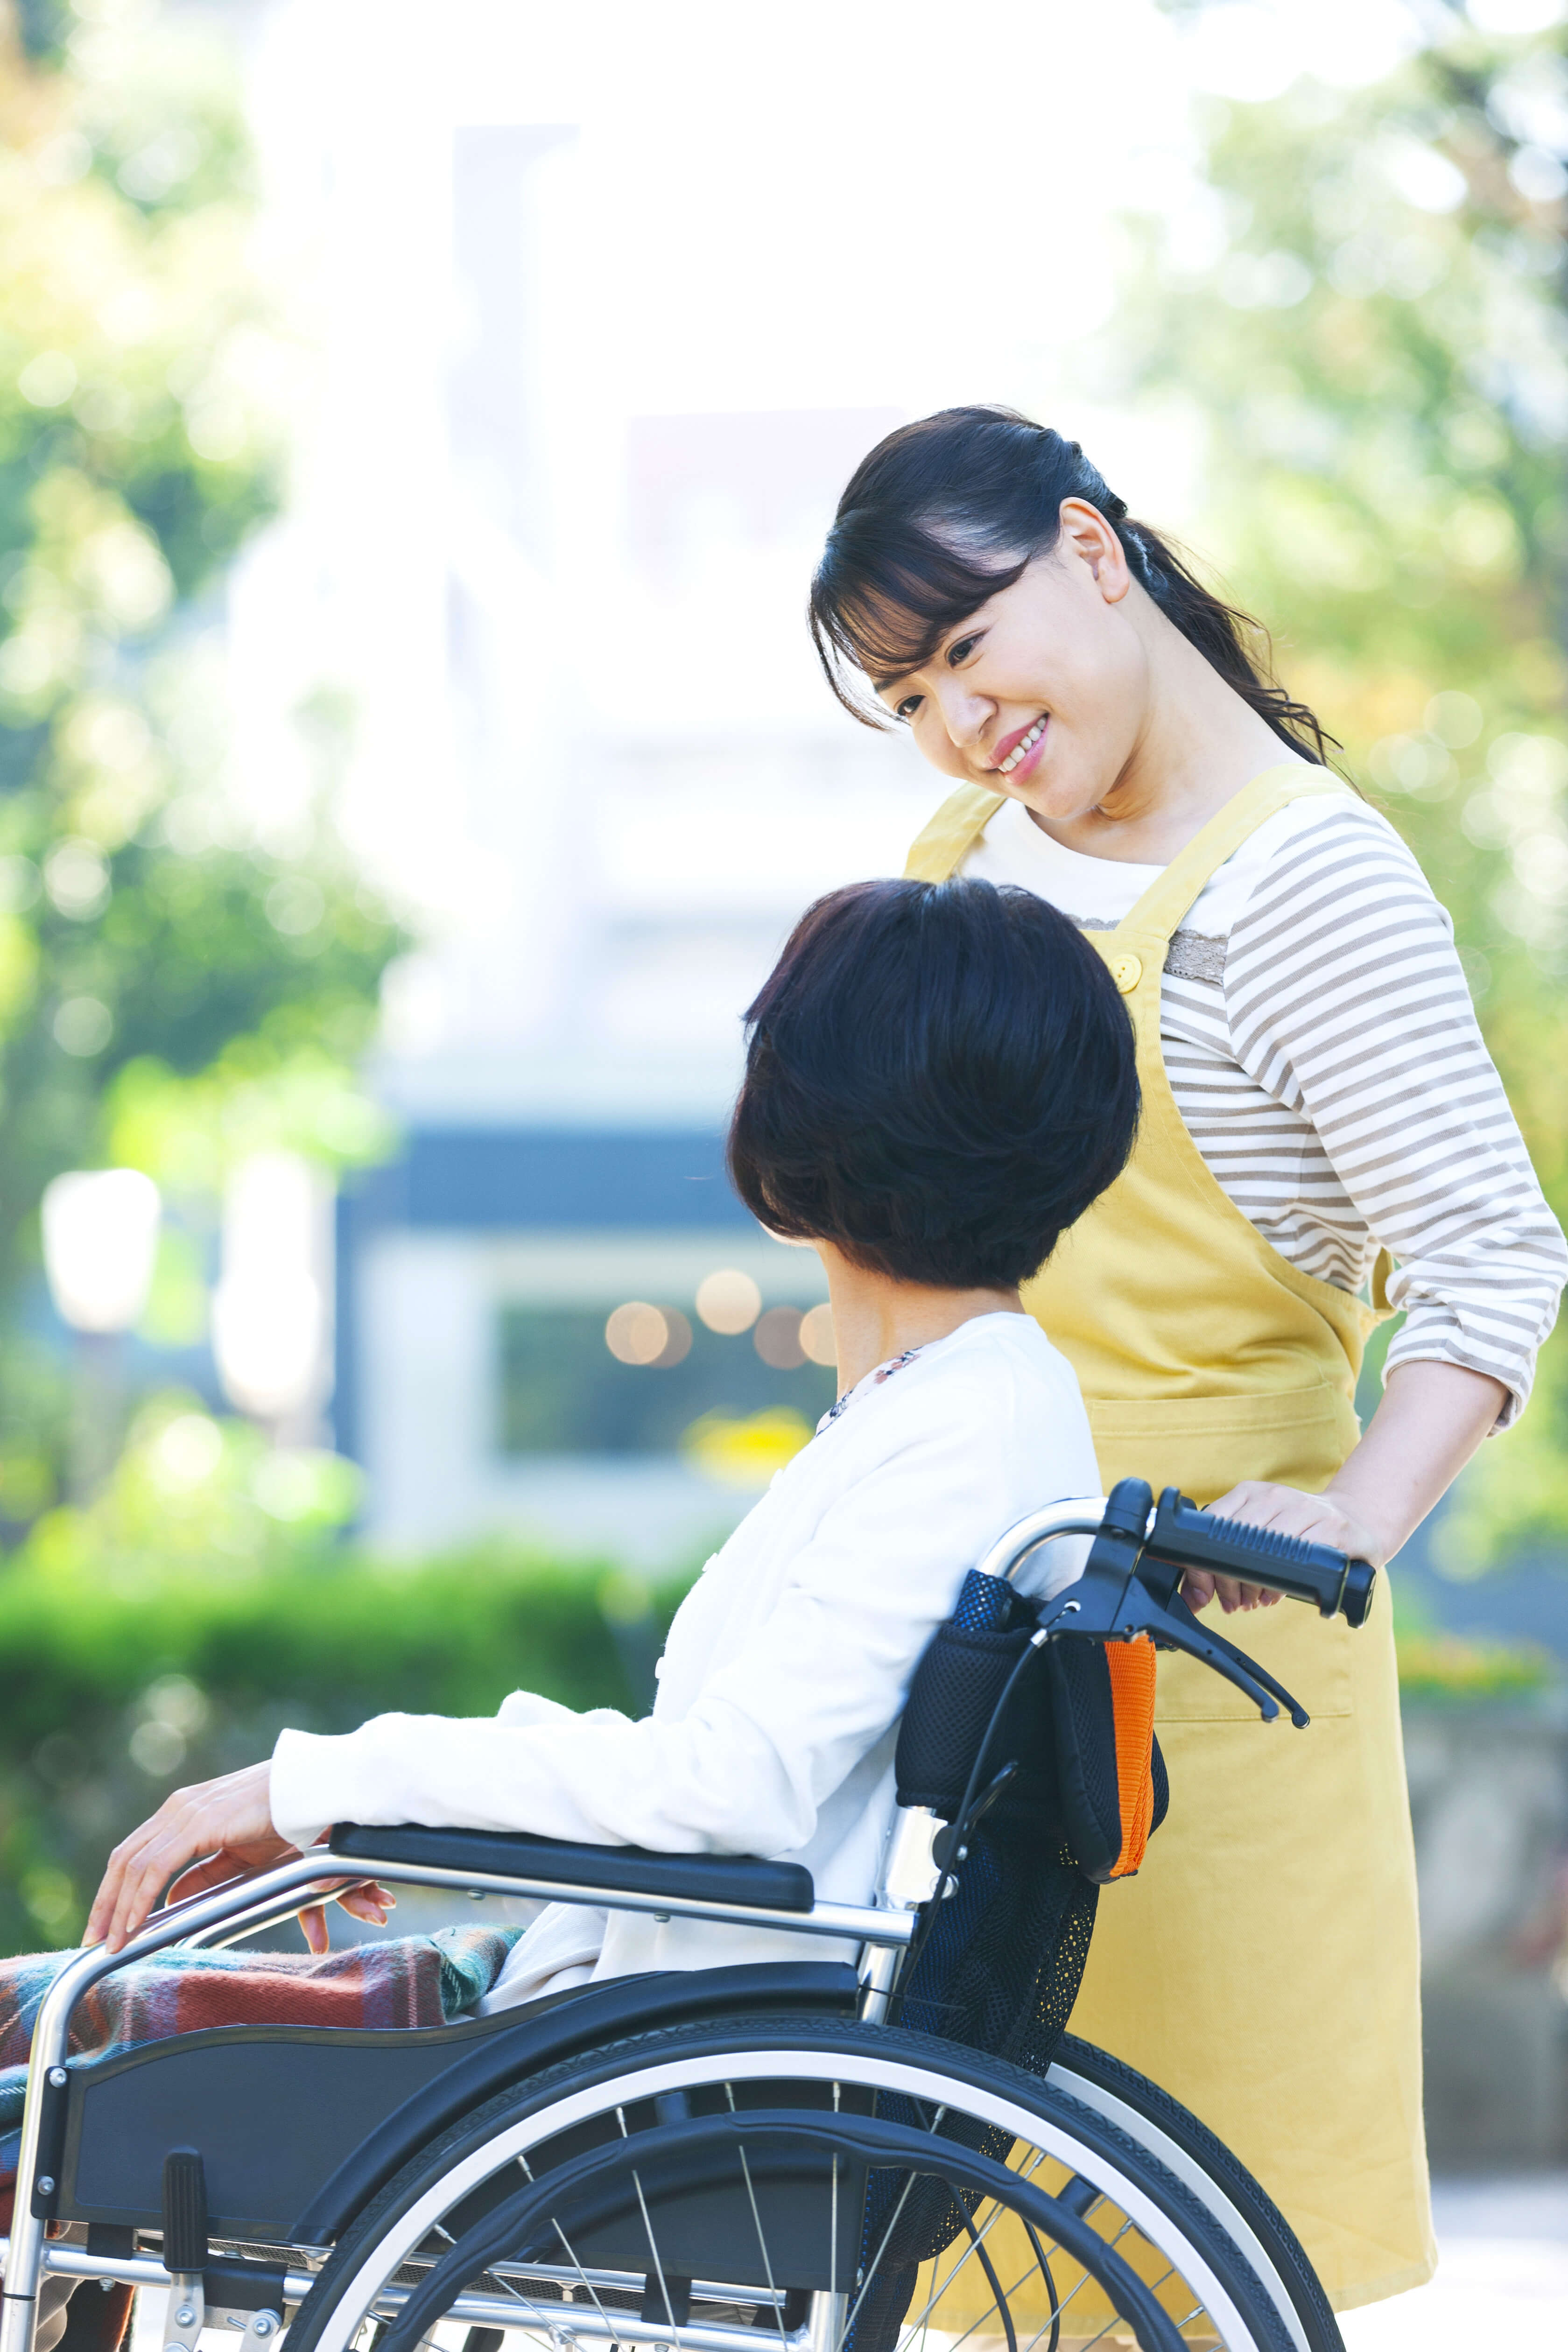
1131	1665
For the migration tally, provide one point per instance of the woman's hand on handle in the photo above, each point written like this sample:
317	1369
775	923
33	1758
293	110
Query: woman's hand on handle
1259	1505
1431	1419
202	1838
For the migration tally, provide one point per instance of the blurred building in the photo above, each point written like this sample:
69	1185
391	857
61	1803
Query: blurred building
593	747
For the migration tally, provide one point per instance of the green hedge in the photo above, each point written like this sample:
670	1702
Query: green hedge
118	1684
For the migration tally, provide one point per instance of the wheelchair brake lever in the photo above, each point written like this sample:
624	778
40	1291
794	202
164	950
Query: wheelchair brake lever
1248	1675
1122	1593
1117	1611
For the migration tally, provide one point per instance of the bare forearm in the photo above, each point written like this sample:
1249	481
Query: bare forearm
1432	1418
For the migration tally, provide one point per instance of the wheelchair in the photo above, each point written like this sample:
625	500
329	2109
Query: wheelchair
890	2146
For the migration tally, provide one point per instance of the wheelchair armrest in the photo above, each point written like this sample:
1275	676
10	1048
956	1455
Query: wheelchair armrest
618	1869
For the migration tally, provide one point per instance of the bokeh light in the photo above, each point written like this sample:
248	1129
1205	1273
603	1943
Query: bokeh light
270	1312
817	1336
678	1342
187	1452
777	1339
728	1300
636	1333
746	1450
656	1337
1455	719
100	1236
76	874
83	1026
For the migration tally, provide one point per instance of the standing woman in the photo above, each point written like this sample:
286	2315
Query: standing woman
1323	1141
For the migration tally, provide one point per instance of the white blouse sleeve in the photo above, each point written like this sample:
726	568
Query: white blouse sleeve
772	1733
1347	1003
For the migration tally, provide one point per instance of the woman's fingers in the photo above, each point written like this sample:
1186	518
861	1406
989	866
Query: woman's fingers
314	1928
1285	1508
202	1877
142	1882
201	1838
371	1904
1259	1504
156	1866
1319	1517
1197	1588
225	1825
124	1860
1200	1586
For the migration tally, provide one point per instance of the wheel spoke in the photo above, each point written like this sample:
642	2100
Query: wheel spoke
994	2283
937	2292
877	2257
653	2250
762	2245
936	2120
1054	2321
1104	2332
587	2282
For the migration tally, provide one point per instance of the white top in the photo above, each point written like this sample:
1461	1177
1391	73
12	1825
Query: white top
1321	1043
783	1677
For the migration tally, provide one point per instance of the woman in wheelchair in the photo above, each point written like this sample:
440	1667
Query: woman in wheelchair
938	1081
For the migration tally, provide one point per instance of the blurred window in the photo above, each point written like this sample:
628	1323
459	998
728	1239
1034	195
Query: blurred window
563	1390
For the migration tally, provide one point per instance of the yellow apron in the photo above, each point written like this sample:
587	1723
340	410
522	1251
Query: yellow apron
1264	1965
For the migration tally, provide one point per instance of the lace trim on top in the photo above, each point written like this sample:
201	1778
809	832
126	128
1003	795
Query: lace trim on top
1192	955
870	1381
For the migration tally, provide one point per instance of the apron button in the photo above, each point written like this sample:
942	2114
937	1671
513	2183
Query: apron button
1127	972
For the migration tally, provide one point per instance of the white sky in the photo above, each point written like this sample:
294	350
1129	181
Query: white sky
872	204
817	206
829	205
834	203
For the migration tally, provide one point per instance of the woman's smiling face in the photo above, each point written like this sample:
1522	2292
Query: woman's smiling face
1043	693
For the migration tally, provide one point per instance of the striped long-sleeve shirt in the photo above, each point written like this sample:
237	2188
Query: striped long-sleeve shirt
1323	1052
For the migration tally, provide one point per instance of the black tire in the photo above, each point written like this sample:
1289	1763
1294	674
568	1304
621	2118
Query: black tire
1170	2237
1171	2132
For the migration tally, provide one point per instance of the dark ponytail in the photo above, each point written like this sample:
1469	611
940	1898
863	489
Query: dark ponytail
945	513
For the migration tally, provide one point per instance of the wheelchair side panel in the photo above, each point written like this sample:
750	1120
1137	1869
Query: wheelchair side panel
299	2127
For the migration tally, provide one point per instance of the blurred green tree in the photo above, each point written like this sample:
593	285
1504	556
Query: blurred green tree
171	980
1362	321
206	1599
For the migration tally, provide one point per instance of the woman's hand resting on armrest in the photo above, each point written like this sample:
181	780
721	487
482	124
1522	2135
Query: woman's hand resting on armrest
203	1838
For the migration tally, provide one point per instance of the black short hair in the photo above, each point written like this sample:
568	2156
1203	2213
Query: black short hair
940	1079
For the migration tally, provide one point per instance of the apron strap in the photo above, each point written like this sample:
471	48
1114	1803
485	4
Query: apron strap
1167	899
941	848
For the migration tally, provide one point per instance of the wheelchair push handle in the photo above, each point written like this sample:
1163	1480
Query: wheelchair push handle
1130	1583
1336	1584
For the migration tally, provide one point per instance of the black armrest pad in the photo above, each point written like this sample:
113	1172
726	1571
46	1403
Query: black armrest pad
618	1869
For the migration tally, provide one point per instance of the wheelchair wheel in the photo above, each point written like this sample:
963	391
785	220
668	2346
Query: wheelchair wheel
837	2187
1174	2138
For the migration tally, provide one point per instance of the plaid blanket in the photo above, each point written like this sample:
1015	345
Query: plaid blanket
411	1980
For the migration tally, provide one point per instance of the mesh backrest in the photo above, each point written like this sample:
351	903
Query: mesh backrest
999	1962
999	1973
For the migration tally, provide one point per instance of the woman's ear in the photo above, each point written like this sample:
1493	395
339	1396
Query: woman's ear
1086	536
